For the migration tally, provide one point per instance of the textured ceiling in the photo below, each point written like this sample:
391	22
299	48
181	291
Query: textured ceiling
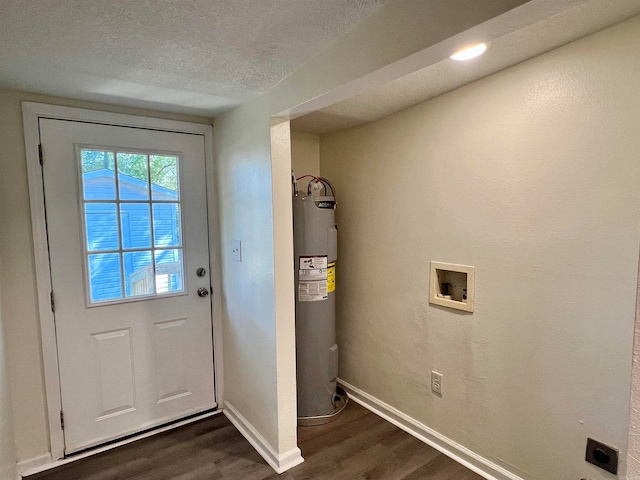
579	20
194	56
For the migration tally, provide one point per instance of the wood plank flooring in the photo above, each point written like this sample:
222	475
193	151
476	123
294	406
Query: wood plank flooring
357	446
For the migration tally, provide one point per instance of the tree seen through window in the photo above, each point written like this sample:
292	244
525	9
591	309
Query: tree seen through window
164	172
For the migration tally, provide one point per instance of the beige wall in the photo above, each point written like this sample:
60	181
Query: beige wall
257	303
17	276
305	156
532	176
255	201
7	440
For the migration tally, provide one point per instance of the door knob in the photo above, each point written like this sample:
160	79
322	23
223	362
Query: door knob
203	292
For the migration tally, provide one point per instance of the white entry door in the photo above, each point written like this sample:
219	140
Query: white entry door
128	241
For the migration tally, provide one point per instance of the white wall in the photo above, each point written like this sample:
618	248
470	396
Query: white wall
249	341
258	309
532	176
17	278
7	441
305	156
259	353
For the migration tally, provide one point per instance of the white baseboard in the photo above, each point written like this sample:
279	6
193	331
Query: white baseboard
33	465
457	452
46	462
280	462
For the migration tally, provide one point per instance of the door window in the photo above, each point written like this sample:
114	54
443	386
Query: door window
132	224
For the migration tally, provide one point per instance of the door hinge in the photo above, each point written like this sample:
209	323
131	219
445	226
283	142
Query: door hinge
53	303
40	153
61	420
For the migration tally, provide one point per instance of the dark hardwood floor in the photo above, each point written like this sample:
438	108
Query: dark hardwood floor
357	446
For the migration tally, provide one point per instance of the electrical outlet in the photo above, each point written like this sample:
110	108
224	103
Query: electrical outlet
602	455
436	382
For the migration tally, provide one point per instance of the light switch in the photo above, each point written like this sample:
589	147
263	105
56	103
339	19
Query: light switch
236	250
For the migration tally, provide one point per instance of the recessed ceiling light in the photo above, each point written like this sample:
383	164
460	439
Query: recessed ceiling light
468	53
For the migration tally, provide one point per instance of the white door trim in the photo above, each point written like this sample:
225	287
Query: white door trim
31	112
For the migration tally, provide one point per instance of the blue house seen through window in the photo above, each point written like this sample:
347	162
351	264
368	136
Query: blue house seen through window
142	274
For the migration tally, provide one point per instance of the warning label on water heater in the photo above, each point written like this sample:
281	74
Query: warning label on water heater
312	291
312	278
331	277
313	263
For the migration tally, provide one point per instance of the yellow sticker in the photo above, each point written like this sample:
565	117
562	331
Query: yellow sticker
331	277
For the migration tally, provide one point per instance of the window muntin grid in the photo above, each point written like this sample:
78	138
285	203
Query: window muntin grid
132	224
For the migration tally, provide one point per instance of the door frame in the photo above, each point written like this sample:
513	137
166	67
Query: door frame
31	113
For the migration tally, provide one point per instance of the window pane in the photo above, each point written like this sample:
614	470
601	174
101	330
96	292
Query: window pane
166	225
141	213
133	177
101	223
104	275
138	274
169	271
165	184
98	178
136	225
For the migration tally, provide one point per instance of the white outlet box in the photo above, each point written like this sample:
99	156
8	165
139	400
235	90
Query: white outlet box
436	382
452	286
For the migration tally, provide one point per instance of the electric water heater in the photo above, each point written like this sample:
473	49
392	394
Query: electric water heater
316	251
